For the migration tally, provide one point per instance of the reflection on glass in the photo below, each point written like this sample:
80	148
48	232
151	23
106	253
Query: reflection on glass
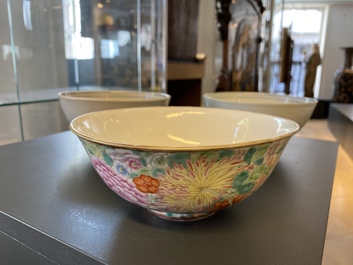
243	35
109	49
52	46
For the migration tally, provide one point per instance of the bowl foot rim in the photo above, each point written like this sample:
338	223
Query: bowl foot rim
181	217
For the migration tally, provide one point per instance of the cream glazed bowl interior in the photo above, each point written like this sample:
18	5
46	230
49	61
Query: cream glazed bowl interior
298	109
183	163
76	103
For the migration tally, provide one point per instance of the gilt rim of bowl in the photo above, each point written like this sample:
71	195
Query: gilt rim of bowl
299	101
79	95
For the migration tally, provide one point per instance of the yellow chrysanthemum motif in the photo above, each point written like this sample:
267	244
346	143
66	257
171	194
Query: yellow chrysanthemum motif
198	185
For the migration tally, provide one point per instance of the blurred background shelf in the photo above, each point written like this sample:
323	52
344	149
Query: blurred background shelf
185	83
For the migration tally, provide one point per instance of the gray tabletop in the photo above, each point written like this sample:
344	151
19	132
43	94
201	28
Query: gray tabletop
54	209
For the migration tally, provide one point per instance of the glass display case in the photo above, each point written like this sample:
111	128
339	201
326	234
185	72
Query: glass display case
59	45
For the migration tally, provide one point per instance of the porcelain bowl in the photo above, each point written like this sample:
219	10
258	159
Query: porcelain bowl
298	109
76	103
183	163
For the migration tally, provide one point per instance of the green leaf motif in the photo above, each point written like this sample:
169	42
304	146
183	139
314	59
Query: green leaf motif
161	161
108	159
259	161
239	179
144	171
178	158
249	154
136	152
258	172
243	189
90	147
261	151
259	154
134	175
225	153
90	151
209	156
143	162
279	150
157	171
240	185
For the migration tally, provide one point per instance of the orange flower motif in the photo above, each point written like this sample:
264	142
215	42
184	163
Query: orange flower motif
221	205
146	184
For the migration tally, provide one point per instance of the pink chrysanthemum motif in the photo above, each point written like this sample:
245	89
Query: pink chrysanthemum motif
119	184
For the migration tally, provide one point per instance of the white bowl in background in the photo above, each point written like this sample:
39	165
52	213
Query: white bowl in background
298	109
76	103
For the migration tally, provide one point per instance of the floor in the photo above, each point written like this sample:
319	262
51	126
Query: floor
338	248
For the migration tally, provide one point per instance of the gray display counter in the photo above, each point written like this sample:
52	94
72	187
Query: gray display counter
54	209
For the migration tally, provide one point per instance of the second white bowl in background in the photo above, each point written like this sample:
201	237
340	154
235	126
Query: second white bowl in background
298	109
76	103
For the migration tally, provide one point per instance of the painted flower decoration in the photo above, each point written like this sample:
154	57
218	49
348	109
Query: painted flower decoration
185	182
158	160
118	183
146	184
197	186
125	156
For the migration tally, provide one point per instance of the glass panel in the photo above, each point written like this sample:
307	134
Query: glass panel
129	40
37	29
7	77
10	125
58	45
77	45
42	119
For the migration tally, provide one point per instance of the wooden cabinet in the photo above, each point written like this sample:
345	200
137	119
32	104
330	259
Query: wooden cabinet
184	73
184	83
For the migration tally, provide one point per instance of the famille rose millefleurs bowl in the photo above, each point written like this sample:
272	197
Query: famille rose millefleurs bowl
298	109
76	103
183	163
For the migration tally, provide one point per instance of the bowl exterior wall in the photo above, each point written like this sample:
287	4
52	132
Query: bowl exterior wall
74	107
300	114
185	182
294	108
